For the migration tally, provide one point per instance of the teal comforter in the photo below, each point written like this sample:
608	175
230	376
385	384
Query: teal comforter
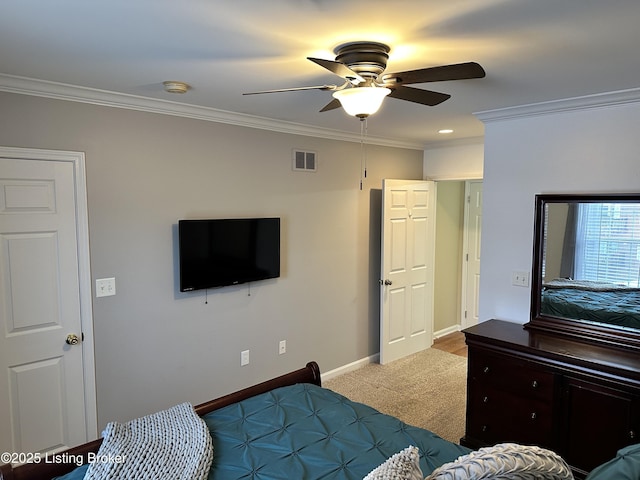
308	432
615	307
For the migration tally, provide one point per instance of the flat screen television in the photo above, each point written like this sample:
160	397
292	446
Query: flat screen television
220	252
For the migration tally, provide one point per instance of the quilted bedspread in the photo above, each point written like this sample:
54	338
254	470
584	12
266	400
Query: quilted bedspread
616	307
308	432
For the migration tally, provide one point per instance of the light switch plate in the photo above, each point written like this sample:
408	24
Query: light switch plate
520	279
244	358
105	287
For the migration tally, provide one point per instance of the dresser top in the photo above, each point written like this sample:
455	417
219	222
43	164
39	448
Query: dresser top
513	336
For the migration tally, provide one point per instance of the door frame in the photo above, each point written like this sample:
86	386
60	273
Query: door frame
462	285
465	286
84	268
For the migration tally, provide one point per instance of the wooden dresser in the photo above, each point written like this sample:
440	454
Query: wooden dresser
581	400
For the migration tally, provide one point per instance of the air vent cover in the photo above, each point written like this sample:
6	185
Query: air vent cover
304	161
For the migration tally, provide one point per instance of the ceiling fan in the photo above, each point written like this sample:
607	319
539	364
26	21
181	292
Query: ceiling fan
362	65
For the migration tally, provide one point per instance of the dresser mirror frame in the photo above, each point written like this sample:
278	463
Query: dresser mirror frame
618	336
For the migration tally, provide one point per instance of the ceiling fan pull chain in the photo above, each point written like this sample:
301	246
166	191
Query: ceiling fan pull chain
366	133
363	153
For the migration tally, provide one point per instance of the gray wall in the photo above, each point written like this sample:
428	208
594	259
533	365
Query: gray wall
567	149
462	161
156	346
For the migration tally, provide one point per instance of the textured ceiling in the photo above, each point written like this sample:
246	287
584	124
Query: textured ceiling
532	51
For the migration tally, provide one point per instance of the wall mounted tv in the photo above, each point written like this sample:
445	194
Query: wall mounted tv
219	252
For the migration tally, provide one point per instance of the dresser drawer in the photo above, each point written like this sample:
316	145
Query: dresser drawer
585	394
499	416
504	373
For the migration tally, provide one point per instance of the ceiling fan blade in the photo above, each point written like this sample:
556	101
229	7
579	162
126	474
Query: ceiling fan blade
332	105
338	68
294	89
458	71
416	95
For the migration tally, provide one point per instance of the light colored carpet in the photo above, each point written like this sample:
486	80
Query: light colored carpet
427	389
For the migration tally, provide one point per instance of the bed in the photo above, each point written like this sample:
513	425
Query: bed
292	427
594	301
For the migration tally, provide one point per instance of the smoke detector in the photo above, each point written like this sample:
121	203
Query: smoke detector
172	86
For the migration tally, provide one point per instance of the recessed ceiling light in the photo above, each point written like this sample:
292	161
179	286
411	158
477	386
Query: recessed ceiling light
172	86
445	130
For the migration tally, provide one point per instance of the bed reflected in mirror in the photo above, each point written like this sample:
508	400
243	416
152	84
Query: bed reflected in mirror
586	267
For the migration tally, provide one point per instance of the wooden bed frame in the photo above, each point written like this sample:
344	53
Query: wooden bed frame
32	471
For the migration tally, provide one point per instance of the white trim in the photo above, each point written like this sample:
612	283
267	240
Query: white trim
457	178
454	143
86	305
74	93
336	372
465	322
363	362
84	269
464	275
446	331
620	97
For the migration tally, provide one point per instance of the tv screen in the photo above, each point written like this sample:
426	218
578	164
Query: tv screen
219	252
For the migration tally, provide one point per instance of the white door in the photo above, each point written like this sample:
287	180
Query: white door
471	260
47	391
408	248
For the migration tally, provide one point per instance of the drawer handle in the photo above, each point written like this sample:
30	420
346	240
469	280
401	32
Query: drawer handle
534	415
632	434
485	370
485	399
534	384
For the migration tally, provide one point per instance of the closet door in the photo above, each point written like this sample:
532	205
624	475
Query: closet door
47	394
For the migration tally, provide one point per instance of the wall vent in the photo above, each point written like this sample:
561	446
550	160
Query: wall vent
304	161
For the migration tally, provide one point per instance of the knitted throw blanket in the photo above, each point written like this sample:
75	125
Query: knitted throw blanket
172	444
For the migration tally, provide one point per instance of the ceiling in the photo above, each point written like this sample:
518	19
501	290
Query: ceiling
532	50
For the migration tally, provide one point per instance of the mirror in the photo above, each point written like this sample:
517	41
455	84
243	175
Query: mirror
586	267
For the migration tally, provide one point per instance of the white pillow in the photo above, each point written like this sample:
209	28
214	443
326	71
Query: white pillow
404	465
505	461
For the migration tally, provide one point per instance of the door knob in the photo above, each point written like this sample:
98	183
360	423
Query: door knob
388	282
72	339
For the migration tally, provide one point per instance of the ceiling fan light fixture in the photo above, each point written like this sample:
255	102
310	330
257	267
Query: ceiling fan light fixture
361	101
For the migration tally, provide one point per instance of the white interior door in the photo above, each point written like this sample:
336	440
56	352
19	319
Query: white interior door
471	260
47	392
408	249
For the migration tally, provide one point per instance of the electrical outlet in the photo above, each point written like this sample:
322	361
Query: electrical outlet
244	358
282	347
105	287
520	279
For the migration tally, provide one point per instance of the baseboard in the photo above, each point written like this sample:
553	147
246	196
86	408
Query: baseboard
336	372
350	367
446	331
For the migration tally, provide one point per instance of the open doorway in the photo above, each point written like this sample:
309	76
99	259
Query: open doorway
457	265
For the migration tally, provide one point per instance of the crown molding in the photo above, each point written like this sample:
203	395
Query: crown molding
598	100
106	98
462	177
458	142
